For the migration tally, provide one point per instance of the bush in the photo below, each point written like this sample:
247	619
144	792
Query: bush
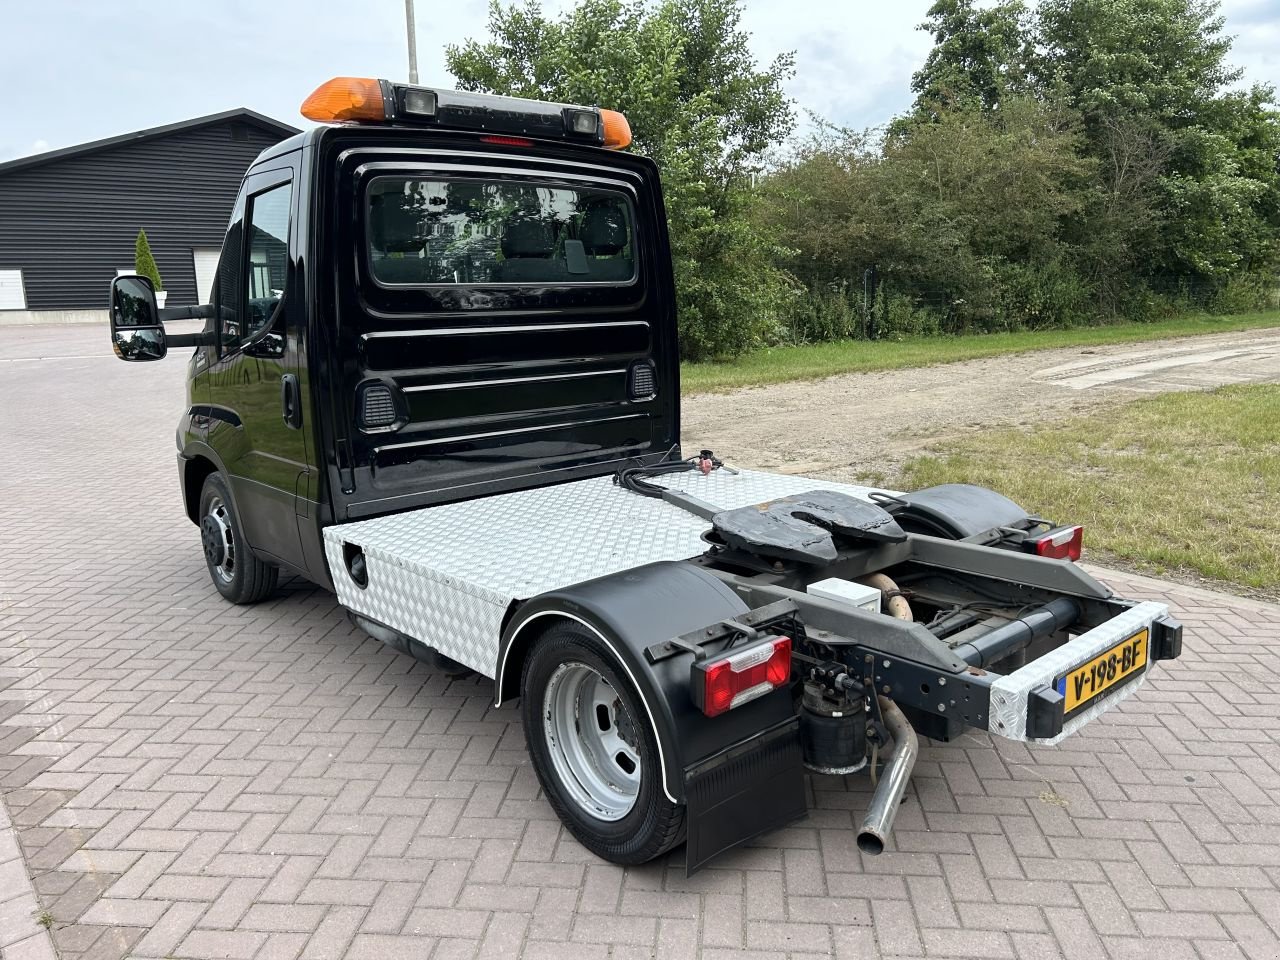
144	263
819	314
899	316
727	307
1244	293
1040	296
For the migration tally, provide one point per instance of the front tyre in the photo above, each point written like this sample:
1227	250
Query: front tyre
594	751
239	575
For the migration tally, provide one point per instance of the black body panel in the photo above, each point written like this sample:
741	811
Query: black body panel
504	386
262	455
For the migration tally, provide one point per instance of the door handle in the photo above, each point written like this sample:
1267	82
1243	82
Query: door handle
291	401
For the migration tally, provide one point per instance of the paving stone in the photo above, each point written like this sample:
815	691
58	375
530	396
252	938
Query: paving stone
180	777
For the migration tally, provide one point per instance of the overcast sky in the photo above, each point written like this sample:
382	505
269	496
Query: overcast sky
78	70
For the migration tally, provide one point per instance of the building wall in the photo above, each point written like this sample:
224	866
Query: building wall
70	224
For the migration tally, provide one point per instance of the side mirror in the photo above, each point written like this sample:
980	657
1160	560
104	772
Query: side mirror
136	333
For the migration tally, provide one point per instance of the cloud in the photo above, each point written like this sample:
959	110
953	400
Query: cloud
37	146
107	68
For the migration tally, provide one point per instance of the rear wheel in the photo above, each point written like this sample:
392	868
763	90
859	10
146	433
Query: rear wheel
594	751
239	575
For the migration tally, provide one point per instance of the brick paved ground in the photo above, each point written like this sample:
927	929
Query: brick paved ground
190	779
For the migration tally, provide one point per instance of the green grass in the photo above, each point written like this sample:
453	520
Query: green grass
814	361
1183	483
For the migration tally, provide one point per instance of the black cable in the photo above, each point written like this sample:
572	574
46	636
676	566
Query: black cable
636	479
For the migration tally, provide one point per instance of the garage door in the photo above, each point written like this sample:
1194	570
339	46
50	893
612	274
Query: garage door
12	294
206	264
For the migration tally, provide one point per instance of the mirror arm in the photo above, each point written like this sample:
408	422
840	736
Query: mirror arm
202	339
202	312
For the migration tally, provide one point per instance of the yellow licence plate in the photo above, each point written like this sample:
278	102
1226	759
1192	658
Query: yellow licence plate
1109	669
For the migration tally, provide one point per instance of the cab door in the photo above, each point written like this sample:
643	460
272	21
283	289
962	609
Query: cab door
254	379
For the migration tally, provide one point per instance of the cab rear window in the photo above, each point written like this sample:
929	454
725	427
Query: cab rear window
481	232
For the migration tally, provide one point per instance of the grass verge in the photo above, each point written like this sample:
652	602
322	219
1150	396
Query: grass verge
814	361
1183	483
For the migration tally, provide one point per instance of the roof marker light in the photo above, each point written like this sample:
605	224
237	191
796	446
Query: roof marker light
345	98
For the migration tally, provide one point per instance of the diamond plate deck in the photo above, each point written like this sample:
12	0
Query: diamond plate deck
447	575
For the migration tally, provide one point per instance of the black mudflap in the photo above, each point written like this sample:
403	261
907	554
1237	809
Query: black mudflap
743	791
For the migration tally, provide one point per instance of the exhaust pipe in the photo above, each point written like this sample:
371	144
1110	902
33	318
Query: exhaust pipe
878	823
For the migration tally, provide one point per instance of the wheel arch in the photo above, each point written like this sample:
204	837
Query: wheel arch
196	468
628	612
198	463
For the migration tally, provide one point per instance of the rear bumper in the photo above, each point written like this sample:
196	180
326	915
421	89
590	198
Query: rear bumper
1023	703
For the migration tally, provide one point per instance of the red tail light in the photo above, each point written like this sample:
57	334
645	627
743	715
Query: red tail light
720	685
1064	543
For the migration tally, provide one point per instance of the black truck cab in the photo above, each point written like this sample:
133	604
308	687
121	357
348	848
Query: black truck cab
406	314
439	376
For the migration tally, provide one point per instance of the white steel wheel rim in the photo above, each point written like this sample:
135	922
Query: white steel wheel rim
593	742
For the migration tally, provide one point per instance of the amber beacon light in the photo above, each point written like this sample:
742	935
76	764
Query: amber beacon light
345	98
617	131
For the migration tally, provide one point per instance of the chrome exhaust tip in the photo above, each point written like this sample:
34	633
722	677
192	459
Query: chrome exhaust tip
878	823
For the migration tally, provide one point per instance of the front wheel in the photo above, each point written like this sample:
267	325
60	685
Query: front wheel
239	575
594	751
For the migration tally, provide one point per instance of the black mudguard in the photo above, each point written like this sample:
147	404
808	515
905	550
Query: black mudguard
956	511
740	773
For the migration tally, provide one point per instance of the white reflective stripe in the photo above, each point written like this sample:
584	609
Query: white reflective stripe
662	763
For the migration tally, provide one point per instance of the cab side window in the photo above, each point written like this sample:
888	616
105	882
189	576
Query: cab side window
253	267
267	256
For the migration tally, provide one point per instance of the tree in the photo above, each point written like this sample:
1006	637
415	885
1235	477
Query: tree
144	263
1189	183
963	212
980	56
698	104
1164	60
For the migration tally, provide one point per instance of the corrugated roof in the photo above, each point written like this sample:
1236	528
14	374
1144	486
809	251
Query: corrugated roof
240	113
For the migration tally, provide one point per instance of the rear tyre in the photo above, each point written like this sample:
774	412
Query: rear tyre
594	750
239	575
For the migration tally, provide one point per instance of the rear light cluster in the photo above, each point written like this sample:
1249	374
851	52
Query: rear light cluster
1063	543
730	681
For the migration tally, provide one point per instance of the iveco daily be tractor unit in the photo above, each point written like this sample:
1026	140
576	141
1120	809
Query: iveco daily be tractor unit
439	377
